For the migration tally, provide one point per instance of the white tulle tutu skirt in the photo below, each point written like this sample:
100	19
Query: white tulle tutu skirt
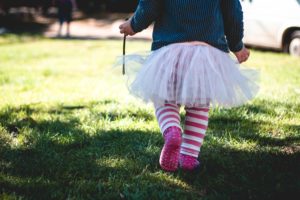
191	74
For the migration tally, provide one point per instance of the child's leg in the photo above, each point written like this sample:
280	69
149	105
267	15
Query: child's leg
168	116
196	122
169	122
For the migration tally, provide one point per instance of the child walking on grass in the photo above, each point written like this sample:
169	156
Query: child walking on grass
190	66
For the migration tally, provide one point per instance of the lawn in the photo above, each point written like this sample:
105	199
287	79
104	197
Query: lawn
70	130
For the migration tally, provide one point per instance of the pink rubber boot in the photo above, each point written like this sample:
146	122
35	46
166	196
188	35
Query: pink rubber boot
169	156
188	163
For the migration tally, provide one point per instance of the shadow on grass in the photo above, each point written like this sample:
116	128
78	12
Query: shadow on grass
23	25
58	158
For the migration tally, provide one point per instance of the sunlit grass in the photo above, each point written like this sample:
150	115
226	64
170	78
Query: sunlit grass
70	130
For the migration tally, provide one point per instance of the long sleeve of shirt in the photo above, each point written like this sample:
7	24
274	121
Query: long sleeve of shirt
233	23
216	22
146	12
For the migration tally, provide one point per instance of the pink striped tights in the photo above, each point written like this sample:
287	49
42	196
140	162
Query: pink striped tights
181	149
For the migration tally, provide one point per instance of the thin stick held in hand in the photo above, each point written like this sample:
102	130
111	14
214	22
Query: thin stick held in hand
124	53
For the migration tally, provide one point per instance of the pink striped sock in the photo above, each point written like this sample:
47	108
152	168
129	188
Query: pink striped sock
196	122
169	122
168	116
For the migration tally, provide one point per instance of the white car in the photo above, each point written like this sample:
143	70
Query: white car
273	24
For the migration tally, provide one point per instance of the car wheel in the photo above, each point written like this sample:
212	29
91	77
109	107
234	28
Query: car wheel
294	45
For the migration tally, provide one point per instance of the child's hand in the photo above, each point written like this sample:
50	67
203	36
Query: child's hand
242	55
126	28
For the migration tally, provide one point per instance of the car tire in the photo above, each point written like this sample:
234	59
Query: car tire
294	44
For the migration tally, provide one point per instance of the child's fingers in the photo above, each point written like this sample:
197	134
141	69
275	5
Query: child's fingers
246	55
242	55
121	26
124	31
130	32
243	58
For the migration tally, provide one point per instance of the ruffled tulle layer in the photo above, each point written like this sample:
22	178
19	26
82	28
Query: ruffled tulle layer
191	75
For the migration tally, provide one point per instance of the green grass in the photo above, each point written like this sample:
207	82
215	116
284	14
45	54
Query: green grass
70	130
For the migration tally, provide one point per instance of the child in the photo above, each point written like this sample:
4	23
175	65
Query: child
65	8
190	66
